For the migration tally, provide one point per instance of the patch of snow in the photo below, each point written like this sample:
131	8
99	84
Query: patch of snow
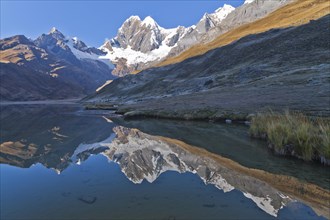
105	84
84	55
248	1
57	171
107	119
85	147
149	22
263	203
53	29
222	13
133	17
133	56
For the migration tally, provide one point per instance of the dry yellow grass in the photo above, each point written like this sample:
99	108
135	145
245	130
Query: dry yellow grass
293	14
14	55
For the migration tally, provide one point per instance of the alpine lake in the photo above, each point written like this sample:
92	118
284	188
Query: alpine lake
59	161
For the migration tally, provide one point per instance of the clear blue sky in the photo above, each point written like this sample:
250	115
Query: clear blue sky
93	21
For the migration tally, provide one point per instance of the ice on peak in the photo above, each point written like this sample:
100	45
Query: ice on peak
56	33
219	14
225	7
149	21
248	1
134	17
53	30
222	12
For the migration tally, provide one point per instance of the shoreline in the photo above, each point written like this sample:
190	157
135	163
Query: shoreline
207	115
211	114
38	102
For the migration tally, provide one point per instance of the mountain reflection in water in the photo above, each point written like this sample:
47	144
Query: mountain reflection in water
56	140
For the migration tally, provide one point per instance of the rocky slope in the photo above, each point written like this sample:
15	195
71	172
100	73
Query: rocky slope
293	14
50	67
278	69
140	44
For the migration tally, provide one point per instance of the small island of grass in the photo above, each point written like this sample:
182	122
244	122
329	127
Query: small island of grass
294	134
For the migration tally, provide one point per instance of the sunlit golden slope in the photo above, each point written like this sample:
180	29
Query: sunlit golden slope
296	13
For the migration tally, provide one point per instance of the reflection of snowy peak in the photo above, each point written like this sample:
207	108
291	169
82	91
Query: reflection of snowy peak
142	156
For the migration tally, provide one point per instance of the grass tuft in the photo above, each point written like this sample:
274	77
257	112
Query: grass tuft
294	133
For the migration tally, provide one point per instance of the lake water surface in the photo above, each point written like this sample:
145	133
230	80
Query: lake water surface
61	162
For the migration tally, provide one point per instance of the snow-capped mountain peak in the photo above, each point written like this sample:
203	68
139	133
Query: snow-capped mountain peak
133	17
225	7
143	41
150	22
209	21
130	21
222	12
140	44
71	49
56	33
53	30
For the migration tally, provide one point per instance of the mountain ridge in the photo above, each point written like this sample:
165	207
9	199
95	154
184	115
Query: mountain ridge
296	13
50	67
130	54
235	80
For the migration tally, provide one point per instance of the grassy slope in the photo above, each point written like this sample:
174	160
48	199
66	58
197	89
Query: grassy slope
296	13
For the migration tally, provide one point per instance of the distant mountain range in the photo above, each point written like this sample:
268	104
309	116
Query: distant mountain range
51	67
55	66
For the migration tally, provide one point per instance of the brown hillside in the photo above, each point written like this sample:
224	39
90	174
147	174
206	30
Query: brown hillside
296	13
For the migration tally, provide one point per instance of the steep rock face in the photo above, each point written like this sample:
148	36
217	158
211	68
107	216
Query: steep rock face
51	67
243	76
139	43
55	43
143	43
140	35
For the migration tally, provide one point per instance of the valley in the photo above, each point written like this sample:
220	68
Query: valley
165	110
